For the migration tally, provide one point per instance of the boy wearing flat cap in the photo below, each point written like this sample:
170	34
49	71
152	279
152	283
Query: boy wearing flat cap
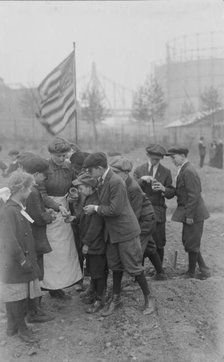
156	182
191	210
92	237
143	210
123	248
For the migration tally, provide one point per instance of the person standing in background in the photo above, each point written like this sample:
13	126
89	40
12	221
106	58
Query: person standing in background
202	151
219	154
3	165
156	182
191	210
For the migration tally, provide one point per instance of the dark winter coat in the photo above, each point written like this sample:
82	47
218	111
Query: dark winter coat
189	200
163	175
36	209
17	244
92	229
141	206
120	220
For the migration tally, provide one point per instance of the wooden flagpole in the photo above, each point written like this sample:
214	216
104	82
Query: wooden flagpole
75	95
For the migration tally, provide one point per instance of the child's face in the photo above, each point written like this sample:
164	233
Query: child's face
39	177
59	158
85	190
25	192
13	157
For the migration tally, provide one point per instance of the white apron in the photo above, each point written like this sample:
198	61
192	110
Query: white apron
61	265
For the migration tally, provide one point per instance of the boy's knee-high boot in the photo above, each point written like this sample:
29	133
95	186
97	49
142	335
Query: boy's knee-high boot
12	328
116	298
19	311
192	261
160	252
204	269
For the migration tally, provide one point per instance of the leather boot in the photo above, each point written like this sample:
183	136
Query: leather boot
204	270
192	260
95	307
114	304
12	328
19	313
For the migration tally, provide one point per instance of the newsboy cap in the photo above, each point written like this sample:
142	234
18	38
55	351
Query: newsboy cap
95	160
78	158
121	163
85	179
155	149
13	152
34	163
179	150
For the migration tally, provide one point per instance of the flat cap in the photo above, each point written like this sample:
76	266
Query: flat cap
77	158
155	149
177	150
95	160
85	179
121	163
33	163
13	152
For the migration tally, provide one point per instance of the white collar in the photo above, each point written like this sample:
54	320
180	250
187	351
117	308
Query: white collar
105	174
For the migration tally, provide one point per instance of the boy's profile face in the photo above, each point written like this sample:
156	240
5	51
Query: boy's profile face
96	172
85	190
39	177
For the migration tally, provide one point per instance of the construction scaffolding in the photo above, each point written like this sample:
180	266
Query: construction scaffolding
193	63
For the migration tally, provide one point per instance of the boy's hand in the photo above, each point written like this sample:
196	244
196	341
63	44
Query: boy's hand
147	178
85	249
89	209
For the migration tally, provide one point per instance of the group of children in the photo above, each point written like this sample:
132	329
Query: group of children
24	242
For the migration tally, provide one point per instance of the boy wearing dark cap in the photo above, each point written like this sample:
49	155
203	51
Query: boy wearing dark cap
123	247
191	210
156	182
143	210
92	237
38	167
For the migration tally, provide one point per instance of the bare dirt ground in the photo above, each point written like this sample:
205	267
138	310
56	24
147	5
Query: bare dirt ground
188	324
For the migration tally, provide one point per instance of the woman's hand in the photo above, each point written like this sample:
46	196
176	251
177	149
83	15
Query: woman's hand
63	211
85	249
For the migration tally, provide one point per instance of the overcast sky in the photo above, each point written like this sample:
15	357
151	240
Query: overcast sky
123	38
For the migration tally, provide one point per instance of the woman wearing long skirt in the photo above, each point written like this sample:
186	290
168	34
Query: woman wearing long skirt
61	266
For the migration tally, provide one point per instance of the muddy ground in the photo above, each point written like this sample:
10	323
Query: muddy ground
188	323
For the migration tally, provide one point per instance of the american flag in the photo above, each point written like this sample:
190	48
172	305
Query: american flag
57	96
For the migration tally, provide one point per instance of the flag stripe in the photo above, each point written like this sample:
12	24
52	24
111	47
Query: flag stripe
46	86
56	104
55	70
58	127
60	113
